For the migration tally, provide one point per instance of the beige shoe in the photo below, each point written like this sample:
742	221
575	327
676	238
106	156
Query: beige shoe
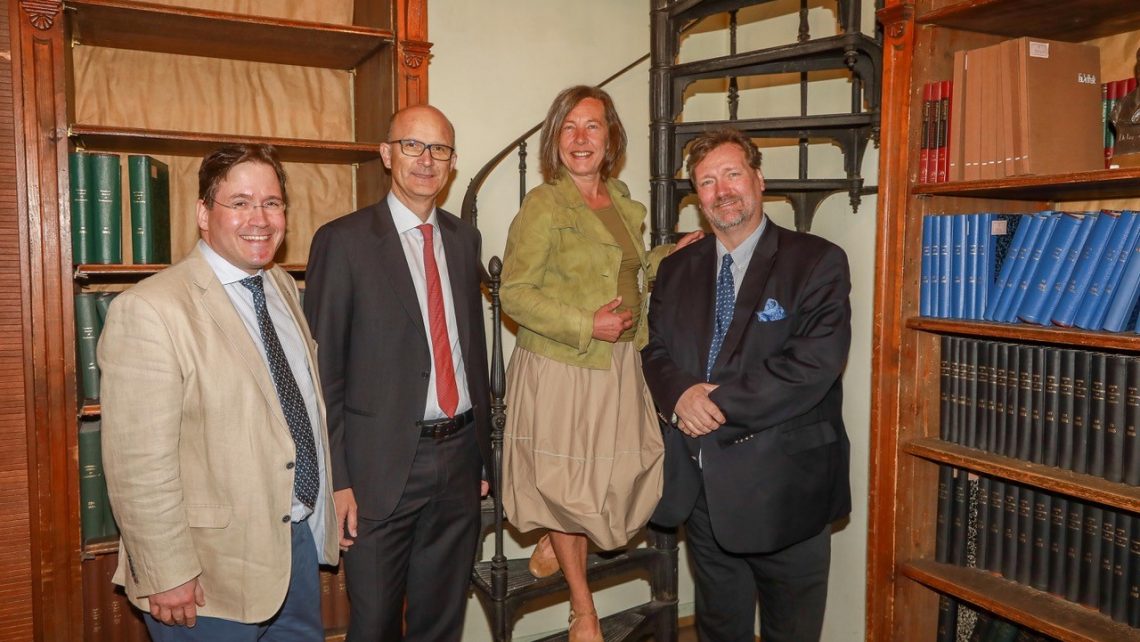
579	637
540	565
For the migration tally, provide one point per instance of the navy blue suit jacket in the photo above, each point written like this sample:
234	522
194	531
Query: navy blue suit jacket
777	472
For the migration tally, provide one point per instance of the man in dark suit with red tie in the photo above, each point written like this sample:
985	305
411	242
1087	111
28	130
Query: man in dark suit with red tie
748	337
393	299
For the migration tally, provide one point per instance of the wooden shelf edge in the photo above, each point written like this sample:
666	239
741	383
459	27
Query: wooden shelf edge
183	143
101	546
1029	607
1065	482
143	26
1075	186
1068	337
1071	21
118	271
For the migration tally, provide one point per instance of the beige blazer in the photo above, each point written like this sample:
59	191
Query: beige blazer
196	450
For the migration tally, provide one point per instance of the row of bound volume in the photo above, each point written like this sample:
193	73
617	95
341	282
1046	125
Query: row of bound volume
1072	409
1069	269
97	209
1079	551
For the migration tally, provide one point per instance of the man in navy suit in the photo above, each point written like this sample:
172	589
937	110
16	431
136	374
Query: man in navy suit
748	337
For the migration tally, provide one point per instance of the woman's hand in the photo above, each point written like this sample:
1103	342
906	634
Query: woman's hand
688	239
608	325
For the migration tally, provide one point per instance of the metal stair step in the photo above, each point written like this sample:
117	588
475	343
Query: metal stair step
810	55
631	624
522	585
817	126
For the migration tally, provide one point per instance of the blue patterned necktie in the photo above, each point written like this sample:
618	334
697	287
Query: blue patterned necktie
306	481
725	302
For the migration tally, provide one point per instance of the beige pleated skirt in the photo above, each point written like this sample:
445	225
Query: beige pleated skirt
582	451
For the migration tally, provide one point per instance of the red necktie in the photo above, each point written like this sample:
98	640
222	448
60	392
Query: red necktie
445	388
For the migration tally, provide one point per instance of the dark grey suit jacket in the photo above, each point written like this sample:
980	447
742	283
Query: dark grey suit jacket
777	472
373	351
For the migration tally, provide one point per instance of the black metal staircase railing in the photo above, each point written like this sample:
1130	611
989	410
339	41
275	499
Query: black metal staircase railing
504	585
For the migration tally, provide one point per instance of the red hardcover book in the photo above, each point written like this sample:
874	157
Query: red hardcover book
943	130
935	118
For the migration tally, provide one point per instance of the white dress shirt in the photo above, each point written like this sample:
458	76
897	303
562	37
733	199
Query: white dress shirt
412	240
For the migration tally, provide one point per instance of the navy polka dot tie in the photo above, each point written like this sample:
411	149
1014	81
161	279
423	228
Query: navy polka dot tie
306	481
725	302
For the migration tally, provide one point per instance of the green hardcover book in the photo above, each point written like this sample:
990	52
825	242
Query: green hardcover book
82	225
87	327
103	303
107	207
92	485
150	209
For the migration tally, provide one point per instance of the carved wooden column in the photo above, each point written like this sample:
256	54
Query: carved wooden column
40	109
897	19
414	52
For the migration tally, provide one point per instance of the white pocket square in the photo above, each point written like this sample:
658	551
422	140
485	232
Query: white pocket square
772	312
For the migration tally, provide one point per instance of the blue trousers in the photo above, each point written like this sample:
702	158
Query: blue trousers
298	620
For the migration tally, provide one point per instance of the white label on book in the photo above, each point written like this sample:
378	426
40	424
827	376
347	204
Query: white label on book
998	227
1038	49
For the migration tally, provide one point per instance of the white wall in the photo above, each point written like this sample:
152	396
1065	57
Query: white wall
496	67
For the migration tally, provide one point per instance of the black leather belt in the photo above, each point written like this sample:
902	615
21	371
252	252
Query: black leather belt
440	428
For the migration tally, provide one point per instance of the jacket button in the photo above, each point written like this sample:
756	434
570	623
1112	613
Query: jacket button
284	519
289	466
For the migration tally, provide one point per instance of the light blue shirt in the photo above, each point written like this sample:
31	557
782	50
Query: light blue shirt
293	343
741	256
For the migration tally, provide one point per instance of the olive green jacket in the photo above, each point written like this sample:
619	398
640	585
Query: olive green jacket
561	264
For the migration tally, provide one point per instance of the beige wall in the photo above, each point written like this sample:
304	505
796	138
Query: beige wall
496	67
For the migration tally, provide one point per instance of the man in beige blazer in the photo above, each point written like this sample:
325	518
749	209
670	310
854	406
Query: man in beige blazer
214	440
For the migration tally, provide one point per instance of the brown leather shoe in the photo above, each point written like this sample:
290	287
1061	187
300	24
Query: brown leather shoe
581	637
540	565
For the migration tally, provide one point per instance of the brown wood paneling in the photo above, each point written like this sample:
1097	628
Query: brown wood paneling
15	531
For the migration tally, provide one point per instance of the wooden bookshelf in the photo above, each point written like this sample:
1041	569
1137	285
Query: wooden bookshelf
1042	612
124	140
903	583
381	60
192	32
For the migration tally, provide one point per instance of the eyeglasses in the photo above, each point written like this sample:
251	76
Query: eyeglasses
272	206
415	149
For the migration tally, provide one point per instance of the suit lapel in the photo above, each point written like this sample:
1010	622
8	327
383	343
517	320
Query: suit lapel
751	289
698	308
393	265
220	308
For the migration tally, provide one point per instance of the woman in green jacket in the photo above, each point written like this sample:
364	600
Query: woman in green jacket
582	452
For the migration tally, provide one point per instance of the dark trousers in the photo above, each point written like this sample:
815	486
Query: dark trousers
298	620
422	552
791	584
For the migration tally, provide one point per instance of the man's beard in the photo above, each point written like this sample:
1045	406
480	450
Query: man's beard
734	219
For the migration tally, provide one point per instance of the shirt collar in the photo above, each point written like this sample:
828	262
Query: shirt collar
405	219
226	272
743	251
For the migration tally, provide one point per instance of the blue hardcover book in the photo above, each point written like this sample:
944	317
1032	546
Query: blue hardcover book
1124	295
1004	311
1091	253
1005	263
1068	264
1040	245
960	245
1049	264
945	269
1086	318
924	306
979	225
1114	277
998	232
935	266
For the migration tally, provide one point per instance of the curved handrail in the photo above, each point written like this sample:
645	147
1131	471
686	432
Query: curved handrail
469	211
